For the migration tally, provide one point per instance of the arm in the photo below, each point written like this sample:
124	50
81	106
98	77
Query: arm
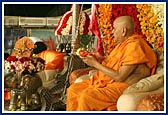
122	74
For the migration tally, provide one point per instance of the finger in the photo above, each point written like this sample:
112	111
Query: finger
85	60
91	57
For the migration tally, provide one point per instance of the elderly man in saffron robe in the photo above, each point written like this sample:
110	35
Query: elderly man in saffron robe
131	60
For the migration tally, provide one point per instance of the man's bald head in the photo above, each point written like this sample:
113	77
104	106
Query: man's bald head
127	22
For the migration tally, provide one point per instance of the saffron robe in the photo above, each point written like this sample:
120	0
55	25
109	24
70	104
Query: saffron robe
53	59
101	92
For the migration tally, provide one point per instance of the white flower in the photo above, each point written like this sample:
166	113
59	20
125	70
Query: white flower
66	30
8	67
24	65
159	11
82	23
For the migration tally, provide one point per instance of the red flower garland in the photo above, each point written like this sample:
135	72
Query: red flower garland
112	12
146	23
127	9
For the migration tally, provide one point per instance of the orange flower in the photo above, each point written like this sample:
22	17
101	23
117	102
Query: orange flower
105	14
149	26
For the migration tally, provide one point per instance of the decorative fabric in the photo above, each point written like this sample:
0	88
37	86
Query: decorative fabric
94	27
153	102
65	24
147	84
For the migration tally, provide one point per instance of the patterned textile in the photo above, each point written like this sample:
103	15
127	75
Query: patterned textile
153	102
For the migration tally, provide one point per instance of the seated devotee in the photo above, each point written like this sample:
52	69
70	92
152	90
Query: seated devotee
54	62
53	59
131	60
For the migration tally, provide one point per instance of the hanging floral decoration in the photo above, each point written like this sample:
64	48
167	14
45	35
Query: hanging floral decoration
65	24
107	14
68	28
105	21
84	24
152	21
149	23
159	11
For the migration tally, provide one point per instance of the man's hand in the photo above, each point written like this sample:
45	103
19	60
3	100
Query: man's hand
83	53
98	56
90	60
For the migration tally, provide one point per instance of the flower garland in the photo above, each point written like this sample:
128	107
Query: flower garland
159	11
151	26
107	14
149	22
106	27
68	28
65	24
84	24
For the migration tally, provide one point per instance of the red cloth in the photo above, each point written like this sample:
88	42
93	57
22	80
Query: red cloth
6	94
63	23
95	29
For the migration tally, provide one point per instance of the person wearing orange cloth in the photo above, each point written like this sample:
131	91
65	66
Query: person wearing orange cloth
53	59
54	62
131	60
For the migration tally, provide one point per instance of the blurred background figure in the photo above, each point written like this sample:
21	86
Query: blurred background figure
6	55
50	43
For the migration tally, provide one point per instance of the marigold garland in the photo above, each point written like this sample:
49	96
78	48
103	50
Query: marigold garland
107	14
149	21
151	26
105	17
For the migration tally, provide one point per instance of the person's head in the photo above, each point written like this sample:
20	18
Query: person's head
123	27
39	47
20	37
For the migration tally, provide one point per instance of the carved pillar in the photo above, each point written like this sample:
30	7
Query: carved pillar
75	34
